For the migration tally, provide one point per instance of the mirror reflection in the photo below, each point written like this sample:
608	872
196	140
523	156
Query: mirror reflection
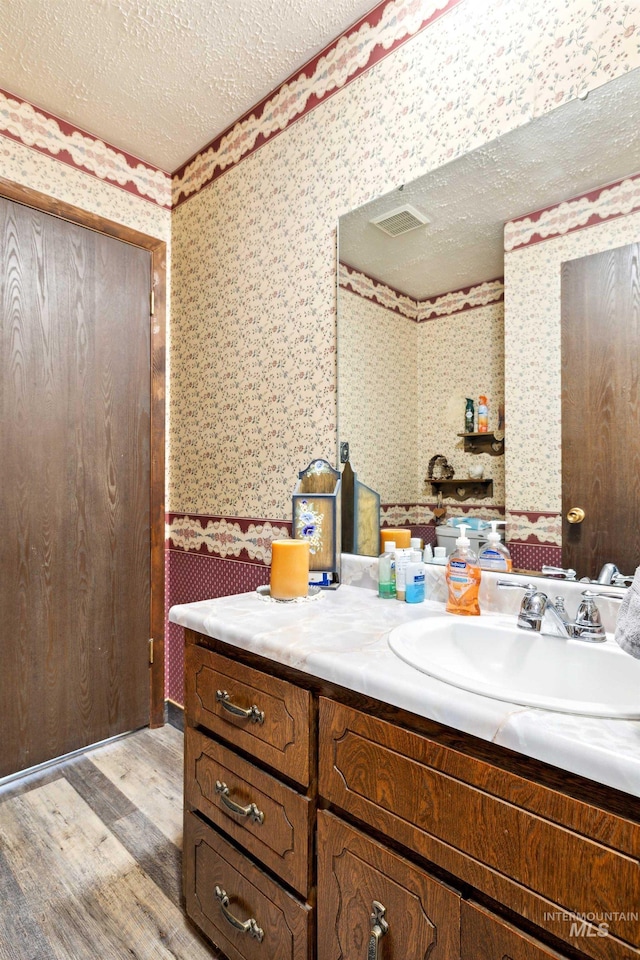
471	282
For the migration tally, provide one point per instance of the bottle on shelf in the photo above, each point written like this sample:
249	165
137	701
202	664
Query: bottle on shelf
469	416
495	555
483	414
463	578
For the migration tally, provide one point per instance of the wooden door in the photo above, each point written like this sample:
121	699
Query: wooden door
601	410
75	486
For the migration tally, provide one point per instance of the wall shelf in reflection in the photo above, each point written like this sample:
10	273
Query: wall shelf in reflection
463	489
483	443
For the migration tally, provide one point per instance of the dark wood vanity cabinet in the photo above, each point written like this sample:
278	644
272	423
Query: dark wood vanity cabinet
320	825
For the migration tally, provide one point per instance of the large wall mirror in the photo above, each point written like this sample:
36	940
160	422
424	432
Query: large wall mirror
451	287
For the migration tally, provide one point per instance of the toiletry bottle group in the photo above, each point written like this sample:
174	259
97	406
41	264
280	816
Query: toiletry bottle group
463	578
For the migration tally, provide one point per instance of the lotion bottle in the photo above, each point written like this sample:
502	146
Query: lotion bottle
463	578
495	555
387	571
402	559
416	579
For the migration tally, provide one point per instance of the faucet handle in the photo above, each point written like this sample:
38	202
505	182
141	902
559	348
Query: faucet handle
533	606
588	619
567	574
620	580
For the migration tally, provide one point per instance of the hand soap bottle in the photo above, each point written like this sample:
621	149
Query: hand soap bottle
463	578
387	571
495	555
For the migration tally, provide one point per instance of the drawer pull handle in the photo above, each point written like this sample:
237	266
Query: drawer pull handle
249	926
253	714
379	927
250	810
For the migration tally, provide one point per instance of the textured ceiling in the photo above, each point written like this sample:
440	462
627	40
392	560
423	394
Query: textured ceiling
577	147
160	78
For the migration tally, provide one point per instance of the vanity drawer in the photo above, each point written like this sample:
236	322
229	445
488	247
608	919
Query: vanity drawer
484	936
521	843
359	879
277	831
281	924
266	717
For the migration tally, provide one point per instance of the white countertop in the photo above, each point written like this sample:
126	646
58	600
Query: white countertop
342	637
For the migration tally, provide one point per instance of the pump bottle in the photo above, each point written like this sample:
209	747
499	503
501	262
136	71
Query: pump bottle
387	571
495	555
463	578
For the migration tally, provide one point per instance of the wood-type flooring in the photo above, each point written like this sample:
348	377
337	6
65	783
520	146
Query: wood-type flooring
90	856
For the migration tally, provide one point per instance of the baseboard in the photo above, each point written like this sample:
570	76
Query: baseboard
174	714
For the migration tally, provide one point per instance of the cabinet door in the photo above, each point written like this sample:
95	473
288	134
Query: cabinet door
375	905
487	937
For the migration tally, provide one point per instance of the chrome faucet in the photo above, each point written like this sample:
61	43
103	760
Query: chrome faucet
607	574
560	572
536	607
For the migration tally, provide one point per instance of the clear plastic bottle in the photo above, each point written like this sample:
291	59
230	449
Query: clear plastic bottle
416	579
402	559
387	572
483	414
495	555
463	578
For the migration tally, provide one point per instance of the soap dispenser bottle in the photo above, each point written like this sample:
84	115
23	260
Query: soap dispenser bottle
495	555
463	578
387	571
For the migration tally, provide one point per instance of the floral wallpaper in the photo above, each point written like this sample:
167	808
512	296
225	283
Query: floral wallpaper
253	330
402	388
379	390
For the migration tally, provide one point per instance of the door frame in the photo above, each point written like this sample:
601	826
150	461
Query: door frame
157	323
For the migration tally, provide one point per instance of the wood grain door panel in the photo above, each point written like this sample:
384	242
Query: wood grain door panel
601	409
75	481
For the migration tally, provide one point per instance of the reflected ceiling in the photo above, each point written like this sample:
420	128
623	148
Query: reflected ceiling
580	146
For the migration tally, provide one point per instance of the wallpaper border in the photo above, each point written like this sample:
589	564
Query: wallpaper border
230	538
372	38
39	130
431	308
618	199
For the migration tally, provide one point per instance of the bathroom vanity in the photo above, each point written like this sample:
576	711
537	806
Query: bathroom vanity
341	805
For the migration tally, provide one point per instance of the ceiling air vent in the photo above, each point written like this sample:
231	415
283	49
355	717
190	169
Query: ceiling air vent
400	220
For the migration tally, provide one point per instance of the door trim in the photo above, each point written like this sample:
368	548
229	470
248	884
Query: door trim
158	249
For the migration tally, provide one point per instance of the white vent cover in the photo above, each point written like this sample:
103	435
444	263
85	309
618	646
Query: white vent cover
400	220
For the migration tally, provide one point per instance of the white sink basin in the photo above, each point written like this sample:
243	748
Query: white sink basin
492	656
